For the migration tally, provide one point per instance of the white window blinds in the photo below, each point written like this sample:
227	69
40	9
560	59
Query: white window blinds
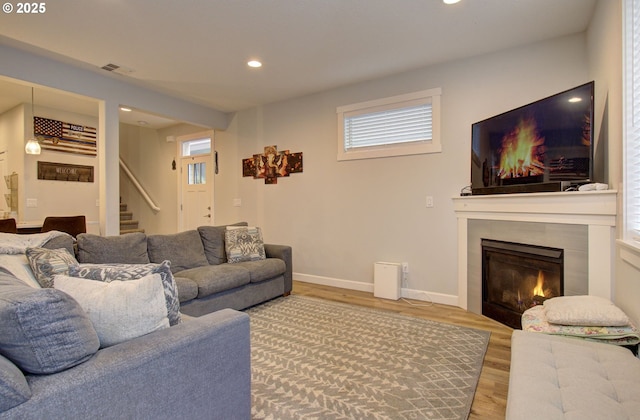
394	126
401	125
632	122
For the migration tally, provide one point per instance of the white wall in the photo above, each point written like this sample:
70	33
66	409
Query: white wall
341	217
82	196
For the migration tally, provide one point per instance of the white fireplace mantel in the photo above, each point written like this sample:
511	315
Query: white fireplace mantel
595	209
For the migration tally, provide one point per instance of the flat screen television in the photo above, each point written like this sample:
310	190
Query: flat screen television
543	146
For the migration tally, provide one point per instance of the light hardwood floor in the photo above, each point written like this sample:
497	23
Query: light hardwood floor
491	395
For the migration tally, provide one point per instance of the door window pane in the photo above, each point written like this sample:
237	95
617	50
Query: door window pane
196	173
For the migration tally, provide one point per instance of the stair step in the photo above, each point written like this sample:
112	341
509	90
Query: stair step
128	224
126	215
123	231
123	207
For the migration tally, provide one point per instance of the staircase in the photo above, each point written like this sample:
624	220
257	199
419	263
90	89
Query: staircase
127	224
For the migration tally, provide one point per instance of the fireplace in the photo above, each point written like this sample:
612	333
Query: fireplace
516	277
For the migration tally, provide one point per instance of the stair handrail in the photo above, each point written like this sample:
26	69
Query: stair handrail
138	186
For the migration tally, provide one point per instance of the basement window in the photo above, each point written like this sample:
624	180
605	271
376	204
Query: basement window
395	126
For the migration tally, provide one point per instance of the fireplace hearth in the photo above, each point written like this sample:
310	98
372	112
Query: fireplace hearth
516	277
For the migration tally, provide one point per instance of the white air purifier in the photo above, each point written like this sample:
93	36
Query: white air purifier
386	280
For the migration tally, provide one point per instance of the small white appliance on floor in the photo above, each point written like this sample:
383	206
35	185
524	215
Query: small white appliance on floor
386	280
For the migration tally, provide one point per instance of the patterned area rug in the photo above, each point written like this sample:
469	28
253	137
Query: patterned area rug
316	359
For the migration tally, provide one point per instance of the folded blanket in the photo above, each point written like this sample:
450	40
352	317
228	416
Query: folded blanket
11	243
534	320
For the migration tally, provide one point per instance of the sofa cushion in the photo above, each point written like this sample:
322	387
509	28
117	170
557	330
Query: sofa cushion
264	269
244	244
217	278
119	310
43	331
46	263
130	248
14	389
213	242
110	272
184	250
187	289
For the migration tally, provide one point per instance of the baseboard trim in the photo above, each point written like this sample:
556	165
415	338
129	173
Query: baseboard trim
440	298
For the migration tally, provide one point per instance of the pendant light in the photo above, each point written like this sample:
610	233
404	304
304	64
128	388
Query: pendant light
33	146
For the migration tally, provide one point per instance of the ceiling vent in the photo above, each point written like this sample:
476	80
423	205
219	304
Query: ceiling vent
114	68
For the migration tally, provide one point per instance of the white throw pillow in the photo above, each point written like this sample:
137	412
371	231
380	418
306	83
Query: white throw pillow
119	310
588	311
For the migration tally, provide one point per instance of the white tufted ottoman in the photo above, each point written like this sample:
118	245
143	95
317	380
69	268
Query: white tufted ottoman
556	377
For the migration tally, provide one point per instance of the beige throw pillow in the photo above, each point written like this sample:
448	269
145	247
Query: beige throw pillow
587	311
119	310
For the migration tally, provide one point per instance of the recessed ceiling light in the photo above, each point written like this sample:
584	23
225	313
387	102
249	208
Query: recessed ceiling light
450	1
575	99
125	109
142	122
254	64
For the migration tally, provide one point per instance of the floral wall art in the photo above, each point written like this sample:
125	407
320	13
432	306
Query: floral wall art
272	164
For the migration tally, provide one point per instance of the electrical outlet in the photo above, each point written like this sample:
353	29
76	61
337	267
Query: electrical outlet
32	202
405	274
429	201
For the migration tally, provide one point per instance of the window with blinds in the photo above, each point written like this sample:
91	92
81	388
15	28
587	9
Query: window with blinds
399	125
631	191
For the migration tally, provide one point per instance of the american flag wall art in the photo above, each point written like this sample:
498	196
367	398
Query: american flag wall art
65	137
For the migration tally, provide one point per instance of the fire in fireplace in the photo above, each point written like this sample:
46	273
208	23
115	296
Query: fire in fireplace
516	277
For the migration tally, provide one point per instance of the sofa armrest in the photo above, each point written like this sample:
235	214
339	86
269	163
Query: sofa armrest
200	368
284	252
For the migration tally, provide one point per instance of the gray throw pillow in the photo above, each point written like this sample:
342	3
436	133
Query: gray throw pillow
110	272
14	389
184	250
244	244
43	331
46	263
130	248
213	241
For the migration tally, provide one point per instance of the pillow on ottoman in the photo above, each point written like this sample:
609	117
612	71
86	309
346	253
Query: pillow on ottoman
130	248
119	310
110	272
43	331
587	311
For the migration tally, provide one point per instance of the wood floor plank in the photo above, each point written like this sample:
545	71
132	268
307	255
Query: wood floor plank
490	400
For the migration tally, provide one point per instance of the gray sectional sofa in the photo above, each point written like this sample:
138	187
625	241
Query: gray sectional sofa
54	363
206	281
53	366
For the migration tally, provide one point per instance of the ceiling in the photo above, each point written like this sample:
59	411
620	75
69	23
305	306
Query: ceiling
197	50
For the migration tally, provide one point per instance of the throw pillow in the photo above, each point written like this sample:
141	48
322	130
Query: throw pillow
130	248
184	250
110	272
46	263
213	242
244	244
119	310
587	311
14	389
43	331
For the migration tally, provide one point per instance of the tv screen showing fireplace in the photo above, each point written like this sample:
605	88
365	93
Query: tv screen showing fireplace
543	146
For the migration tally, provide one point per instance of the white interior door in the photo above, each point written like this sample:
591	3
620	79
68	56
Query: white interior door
197	191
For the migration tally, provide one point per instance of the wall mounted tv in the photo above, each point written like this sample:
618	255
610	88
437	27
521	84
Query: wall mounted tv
542	146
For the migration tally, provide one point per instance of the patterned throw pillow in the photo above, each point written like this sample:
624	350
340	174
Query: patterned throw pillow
119	310
110	272
244	244
46	263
